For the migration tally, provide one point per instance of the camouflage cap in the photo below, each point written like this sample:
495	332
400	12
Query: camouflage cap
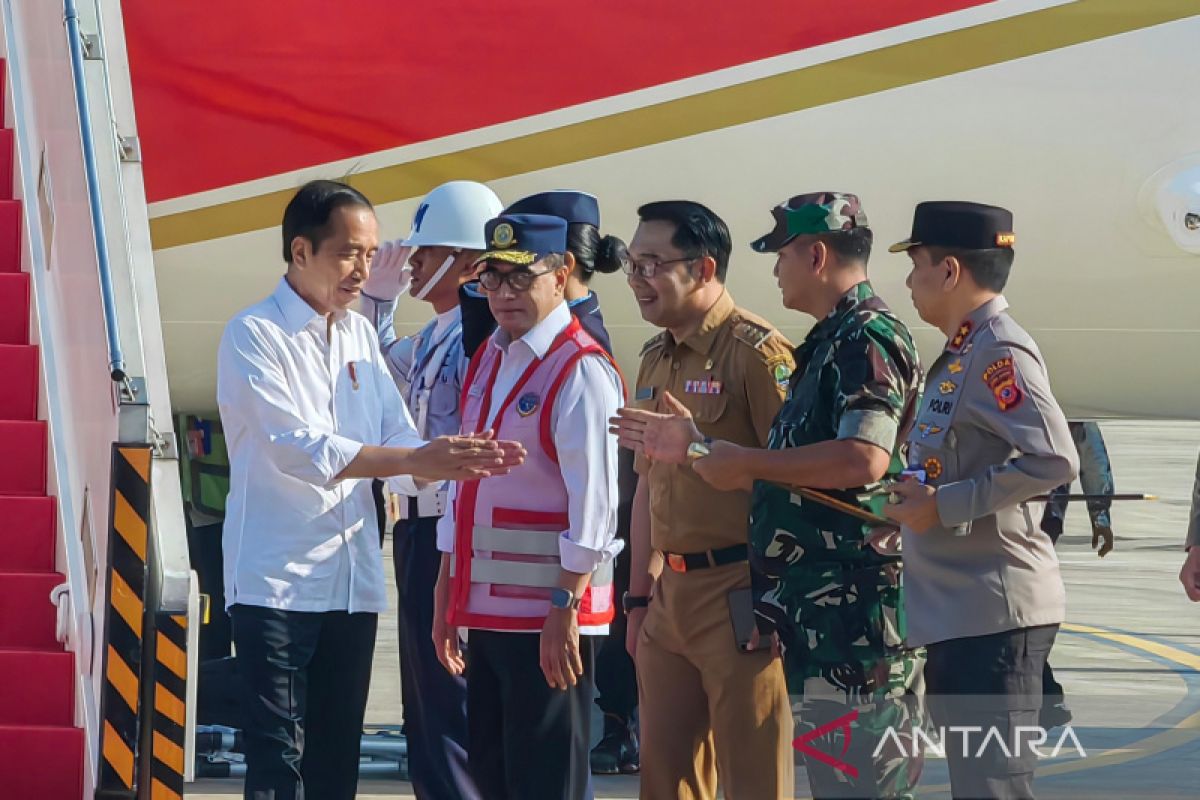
816	212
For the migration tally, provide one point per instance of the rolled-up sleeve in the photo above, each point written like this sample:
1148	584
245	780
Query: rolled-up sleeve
251	384
587	457
1026	416
876	381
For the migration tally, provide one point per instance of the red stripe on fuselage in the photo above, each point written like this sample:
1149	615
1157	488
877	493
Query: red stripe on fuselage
228	91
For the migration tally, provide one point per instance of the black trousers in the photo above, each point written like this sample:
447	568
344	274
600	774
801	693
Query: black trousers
527	741
990	682
307	676
616	678
205	554
435	702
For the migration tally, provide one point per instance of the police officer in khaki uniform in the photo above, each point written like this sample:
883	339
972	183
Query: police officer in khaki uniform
984	594
708	708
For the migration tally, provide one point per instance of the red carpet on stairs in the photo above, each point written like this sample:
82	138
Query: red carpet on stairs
41	750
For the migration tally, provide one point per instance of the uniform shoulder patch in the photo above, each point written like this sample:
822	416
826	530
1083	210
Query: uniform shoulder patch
653	342
1001	378
780	367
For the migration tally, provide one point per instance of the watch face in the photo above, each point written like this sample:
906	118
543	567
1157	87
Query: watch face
560	598
697	450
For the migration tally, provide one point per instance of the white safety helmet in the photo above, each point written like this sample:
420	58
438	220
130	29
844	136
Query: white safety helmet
453	215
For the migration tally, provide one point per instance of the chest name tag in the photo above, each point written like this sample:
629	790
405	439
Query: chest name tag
702	387
644	393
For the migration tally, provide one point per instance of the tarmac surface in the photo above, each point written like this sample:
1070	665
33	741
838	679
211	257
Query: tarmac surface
1129	656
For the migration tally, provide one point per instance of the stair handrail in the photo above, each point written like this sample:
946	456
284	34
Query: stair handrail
116	359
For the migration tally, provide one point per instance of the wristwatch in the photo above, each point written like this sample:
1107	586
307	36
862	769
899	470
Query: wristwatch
632	601
564	599
697	450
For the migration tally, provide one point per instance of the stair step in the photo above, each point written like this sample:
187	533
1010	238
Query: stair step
10	233
23	458
7	156
19	371
27	617
45	688
40	762
14	308
27	531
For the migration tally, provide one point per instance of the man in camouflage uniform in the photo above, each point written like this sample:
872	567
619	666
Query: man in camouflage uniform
833	604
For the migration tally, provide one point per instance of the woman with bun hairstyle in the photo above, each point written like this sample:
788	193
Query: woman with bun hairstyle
593	253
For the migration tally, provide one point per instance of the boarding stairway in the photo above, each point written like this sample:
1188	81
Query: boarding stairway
41	749
98	608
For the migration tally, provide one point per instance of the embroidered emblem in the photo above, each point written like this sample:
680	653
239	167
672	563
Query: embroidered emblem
783	374
928	430
1006	239
502	237
956	367
947	387
964	331
527	404
933	468
1001	377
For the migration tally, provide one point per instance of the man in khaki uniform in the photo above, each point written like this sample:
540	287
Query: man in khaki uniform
708	707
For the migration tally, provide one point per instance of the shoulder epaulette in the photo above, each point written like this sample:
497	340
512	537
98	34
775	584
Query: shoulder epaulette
751	333
653	342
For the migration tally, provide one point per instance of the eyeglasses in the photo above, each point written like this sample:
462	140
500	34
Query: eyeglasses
520	280
649	267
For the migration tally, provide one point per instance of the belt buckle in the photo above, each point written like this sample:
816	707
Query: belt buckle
676	562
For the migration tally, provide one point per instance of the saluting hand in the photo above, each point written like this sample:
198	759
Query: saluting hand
390	275
464	458
916	506
659	436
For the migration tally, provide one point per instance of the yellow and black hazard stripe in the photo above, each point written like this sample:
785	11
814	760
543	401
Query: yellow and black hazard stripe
170	691
128	543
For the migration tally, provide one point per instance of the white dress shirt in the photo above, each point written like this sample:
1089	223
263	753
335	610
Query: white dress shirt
587	454
300	395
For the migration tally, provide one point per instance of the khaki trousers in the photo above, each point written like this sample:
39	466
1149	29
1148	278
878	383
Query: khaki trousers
708	709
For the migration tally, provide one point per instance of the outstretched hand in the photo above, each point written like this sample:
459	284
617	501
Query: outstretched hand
659	436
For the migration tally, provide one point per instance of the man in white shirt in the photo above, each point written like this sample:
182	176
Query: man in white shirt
429	366
310	411
532	551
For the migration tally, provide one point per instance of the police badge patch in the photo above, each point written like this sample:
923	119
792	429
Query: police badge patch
1001	377
527	403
